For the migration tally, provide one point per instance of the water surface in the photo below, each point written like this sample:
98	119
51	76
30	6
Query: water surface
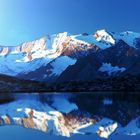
70	116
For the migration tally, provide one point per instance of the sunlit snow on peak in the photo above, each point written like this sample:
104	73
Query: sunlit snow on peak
128	37
102	35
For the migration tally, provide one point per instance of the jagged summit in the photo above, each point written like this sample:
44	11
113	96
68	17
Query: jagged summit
51	56
102	35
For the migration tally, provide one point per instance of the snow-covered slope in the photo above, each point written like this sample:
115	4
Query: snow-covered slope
30	56
133	128
128	36
52	55
102	35
61	64
110	70
100	38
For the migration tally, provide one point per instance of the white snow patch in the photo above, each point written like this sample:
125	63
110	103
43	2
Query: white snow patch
109	69
105	132
63	105
61	63
128	36
101	39
102	35
103	128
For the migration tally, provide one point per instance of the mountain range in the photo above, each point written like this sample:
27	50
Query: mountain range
65	57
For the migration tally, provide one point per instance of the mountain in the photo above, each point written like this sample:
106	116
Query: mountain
66	57
9	84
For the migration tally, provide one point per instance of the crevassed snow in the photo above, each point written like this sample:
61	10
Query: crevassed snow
109	69
61	63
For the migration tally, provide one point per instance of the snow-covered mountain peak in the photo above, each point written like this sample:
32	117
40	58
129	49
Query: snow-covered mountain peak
130	33
59	40
59	51
101	38
102	35
69	45
27	47
129	37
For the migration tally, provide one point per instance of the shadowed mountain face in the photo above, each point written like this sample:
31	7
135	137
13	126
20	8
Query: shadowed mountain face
66	57
103	114
118	60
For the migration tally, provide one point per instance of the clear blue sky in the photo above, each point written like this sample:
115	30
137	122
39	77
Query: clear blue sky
22	20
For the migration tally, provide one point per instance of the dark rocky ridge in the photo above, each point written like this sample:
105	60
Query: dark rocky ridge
10	84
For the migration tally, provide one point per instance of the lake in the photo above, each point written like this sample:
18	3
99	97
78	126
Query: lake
73	116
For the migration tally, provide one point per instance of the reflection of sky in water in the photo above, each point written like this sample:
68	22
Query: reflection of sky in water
19	133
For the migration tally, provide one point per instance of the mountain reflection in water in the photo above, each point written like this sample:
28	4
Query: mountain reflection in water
68	114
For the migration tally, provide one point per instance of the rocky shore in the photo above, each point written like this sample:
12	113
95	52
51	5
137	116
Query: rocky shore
127	83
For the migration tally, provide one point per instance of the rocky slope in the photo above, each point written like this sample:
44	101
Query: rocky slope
10	84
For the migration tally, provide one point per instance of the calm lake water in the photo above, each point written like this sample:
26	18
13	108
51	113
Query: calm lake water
73	116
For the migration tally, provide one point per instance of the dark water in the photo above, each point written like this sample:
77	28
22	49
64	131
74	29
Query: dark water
120	108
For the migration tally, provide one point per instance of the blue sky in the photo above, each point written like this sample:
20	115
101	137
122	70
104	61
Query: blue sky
23	20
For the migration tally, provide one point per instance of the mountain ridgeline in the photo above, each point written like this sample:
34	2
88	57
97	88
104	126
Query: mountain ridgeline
64	58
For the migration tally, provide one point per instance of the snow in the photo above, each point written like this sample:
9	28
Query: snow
83	129
103	41
60	38
132	128
45	116
102	35
103	128
105	132
110	70
61	63
128	36
30	56
17	62
62	104
81	39
89	129
11	66
48	117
